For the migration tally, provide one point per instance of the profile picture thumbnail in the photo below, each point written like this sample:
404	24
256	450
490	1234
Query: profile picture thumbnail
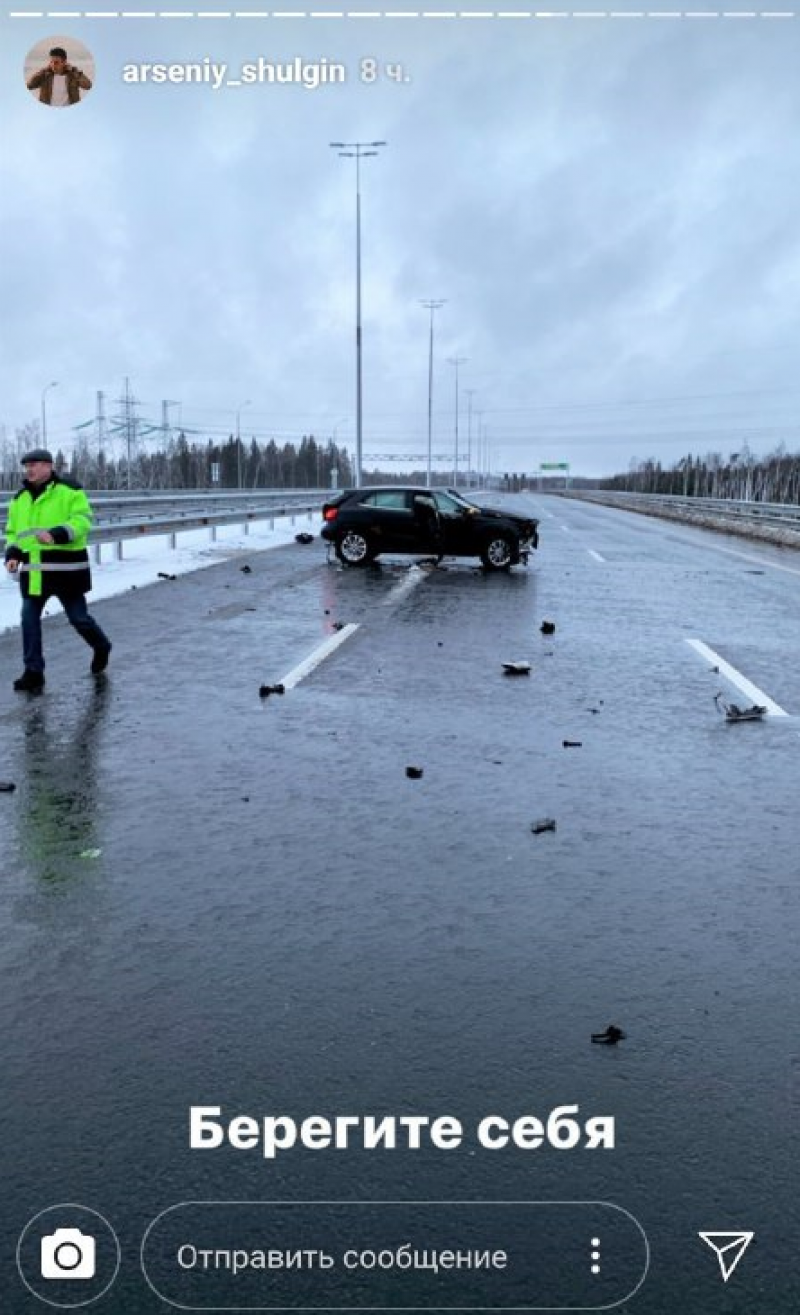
59	71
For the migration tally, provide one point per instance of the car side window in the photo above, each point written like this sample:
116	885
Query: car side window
448	506
388	499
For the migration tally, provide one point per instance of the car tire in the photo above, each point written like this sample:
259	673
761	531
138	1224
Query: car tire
354	549
498	553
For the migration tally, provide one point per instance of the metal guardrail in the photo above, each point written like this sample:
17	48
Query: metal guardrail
147	502
780	515
119	532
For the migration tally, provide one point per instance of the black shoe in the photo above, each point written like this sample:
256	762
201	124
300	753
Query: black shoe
100	660
30	682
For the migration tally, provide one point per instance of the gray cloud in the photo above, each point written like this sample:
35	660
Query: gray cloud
611	212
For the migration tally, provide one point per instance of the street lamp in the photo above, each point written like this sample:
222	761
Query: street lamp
333	472
432	306
357	151
45	391
479	450
470	395
239	442
456	361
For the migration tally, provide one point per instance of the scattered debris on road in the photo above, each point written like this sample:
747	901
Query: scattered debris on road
414	773
338	625
610	1037
594	710
516	668
165	575
732	712
264	691
304	537
572	744
7	787
246	570
548	627
543	824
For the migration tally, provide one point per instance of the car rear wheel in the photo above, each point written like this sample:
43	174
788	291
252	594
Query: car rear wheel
498	553
354	549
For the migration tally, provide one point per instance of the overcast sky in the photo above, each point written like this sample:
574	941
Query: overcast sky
610	207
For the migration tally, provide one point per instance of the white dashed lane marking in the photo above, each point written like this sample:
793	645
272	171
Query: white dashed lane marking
319	655
736	678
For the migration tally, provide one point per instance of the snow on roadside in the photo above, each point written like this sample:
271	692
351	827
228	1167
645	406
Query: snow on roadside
144	557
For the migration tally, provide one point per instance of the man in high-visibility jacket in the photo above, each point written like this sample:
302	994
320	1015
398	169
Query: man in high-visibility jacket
46	535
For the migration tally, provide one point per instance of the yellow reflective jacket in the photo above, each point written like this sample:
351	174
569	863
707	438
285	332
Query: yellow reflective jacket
60	568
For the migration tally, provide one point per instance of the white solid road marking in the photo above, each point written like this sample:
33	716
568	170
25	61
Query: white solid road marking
313	660
736	678
596	555
759	561
467	15
646	526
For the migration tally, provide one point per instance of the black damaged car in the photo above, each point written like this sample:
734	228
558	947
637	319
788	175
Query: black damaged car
363	523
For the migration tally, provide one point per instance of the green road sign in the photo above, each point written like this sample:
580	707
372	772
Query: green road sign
554	465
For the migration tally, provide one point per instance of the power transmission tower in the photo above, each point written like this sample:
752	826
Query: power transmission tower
166	427
128	423
101	430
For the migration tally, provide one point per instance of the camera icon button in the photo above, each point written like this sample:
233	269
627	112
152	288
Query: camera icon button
68	1256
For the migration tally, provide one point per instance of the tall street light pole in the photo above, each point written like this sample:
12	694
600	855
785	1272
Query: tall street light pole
470	395
45	391
357	151
456	361
479	450
333	473
432	306
239	411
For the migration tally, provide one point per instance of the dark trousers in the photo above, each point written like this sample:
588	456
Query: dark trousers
78	617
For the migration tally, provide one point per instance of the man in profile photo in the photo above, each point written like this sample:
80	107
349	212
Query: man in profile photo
60	83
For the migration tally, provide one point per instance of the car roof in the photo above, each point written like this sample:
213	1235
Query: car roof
392	488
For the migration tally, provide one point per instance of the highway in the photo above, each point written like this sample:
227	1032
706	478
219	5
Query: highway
215	898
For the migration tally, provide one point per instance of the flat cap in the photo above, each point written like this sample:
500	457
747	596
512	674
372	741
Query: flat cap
37	454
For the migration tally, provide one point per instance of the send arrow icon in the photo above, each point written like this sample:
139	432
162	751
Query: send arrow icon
729	1247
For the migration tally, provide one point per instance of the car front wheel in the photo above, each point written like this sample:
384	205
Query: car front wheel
354	549
498	553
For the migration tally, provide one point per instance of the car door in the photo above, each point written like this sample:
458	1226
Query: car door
427	523
387	517
457	526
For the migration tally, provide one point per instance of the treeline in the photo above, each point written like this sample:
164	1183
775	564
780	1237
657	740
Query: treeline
772	478
181	464
184	465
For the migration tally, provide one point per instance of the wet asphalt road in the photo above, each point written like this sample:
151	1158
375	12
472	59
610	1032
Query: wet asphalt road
278	921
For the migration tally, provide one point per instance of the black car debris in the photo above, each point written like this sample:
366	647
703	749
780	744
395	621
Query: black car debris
363	523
